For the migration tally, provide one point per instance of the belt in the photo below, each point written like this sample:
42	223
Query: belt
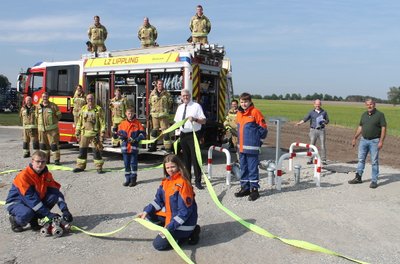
370	138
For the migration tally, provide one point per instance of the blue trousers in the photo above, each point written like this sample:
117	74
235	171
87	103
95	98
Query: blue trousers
249	176
131	165
24	214
364	147
161	243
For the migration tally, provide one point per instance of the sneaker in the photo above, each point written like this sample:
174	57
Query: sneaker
195	236
34	224
57	162
199	185
14	226
253	195
356	180
373	185
77	170
242	192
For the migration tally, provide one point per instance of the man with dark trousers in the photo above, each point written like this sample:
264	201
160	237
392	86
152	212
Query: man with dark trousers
196	118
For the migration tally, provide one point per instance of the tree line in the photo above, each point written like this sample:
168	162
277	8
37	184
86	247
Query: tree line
393	97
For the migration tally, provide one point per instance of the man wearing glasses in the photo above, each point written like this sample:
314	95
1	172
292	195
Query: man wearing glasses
33	193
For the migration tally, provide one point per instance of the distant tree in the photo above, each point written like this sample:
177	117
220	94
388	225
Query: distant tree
4	81
327	97
274	97
256	96
394	95
280	97
295	96
308	97
287	96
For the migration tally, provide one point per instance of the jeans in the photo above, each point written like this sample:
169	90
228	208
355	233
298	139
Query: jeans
364	147
314	135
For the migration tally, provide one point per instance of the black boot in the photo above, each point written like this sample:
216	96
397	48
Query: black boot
254	194
153	147
14	226
34	224
127	181
133	182
242	192
27	155
195	236
356	180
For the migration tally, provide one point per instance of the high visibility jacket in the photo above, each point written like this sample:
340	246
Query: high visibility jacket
200	26
48	116
97	34
252	129
160	103
118	109
79	101
31	188
28	117
91	121
147	35
175	200
130	129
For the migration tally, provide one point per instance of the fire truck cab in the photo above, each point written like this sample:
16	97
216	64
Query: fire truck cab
202	69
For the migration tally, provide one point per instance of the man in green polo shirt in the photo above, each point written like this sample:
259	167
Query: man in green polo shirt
372	129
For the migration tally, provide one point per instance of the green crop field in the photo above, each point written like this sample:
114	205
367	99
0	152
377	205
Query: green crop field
345	114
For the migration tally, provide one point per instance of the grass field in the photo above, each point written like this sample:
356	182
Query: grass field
9	119
340	113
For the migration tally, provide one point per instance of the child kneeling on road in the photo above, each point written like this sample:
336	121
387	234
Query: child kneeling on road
130	132
174	206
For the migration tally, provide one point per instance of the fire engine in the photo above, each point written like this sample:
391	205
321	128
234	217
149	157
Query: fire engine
201	68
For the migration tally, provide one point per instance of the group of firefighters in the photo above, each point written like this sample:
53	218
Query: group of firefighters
199	25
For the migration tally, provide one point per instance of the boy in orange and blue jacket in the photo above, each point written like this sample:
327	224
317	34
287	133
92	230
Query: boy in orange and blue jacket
252	130
130	132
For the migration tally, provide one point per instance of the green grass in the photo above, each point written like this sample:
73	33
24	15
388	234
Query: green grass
9	119
340	113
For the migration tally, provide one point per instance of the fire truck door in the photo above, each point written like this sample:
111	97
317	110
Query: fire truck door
102	99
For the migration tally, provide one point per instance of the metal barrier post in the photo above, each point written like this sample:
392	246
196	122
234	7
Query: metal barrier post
228	162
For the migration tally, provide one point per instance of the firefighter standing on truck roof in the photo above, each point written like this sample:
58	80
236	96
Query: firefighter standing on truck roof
160	105
97	34
118	108
90	129
29	123
147	34
79	101
200	26
48	114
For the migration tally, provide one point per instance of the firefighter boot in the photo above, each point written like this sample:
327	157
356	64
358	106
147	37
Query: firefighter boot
195	236
253	194
133	182
127	180
14	226
25	147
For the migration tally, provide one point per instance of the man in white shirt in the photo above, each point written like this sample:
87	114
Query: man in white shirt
196	118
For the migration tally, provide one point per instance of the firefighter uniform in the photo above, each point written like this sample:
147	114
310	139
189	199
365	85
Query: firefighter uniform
97	35
174	205
49	137
252	129
147	35
30	129
231	126
79	101
200	26
160	105
118	108
33	195
90	129
130	133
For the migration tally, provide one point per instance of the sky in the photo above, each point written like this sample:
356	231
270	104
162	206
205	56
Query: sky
335	47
